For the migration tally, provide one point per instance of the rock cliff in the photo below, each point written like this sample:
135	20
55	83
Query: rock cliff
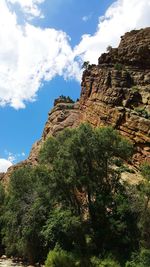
115	92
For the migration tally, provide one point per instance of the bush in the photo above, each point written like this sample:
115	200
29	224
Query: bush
141	260
134	89
118	66
108	262
85	65
118	162
125	168
142	112
109	48
59	258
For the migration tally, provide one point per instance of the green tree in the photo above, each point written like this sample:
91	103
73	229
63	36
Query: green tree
66	229
144	206
74	198
85	181
2	210
26	208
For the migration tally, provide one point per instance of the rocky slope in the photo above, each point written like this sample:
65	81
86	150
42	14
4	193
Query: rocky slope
115	92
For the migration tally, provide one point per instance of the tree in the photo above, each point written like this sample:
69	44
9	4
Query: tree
2	200
85	181
73	199
144	206
26	208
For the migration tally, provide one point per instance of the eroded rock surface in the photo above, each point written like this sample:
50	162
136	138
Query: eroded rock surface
117	91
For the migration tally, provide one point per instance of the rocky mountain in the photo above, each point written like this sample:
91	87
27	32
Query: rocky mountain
115	92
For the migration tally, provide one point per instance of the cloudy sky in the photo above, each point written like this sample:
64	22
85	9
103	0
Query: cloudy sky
42	46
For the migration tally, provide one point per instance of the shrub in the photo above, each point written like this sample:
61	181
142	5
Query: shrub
109	48
142	112
118	66
85	65
59	258
125	168
108	262
141	260
135	89
118	162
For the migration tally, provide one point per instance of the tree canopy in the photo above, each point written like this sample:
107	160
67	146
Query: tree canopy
75	200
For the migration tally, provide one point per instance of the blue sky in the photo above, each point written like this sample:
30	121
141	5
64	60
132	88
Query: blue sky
43	45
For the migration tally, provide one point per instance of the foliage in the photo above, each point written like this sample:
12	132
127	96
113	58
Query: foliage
64	228
125	168
2	200
145	169
142	112
140	260
75	200
59	258
66	99
109	48
27	204
118	66
83	167
144	193
107	262
134	89
85	65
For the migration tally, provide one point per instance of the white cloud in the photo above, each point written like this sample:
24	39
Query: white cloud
29	55
121	16
4	164
9	160
30	7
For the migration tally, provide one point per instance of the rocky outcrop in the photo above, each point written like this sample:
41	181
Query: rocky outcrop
132	51
115	92
65	114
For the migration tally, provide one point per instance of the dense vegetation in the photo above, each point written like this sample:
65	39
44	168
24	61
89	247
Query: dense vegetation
75	207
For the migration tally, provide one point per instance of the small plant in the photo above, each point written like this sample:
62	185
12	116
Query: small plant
69	107
124	168
109	48
65	99
118	66
118	162
85	65
142	112
134	89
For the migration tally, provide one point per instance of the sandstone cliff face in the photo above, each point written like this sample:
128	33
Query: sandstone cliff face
115	92
65	114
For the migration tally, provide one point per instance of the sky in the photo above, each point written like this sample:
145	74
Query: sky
43	44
